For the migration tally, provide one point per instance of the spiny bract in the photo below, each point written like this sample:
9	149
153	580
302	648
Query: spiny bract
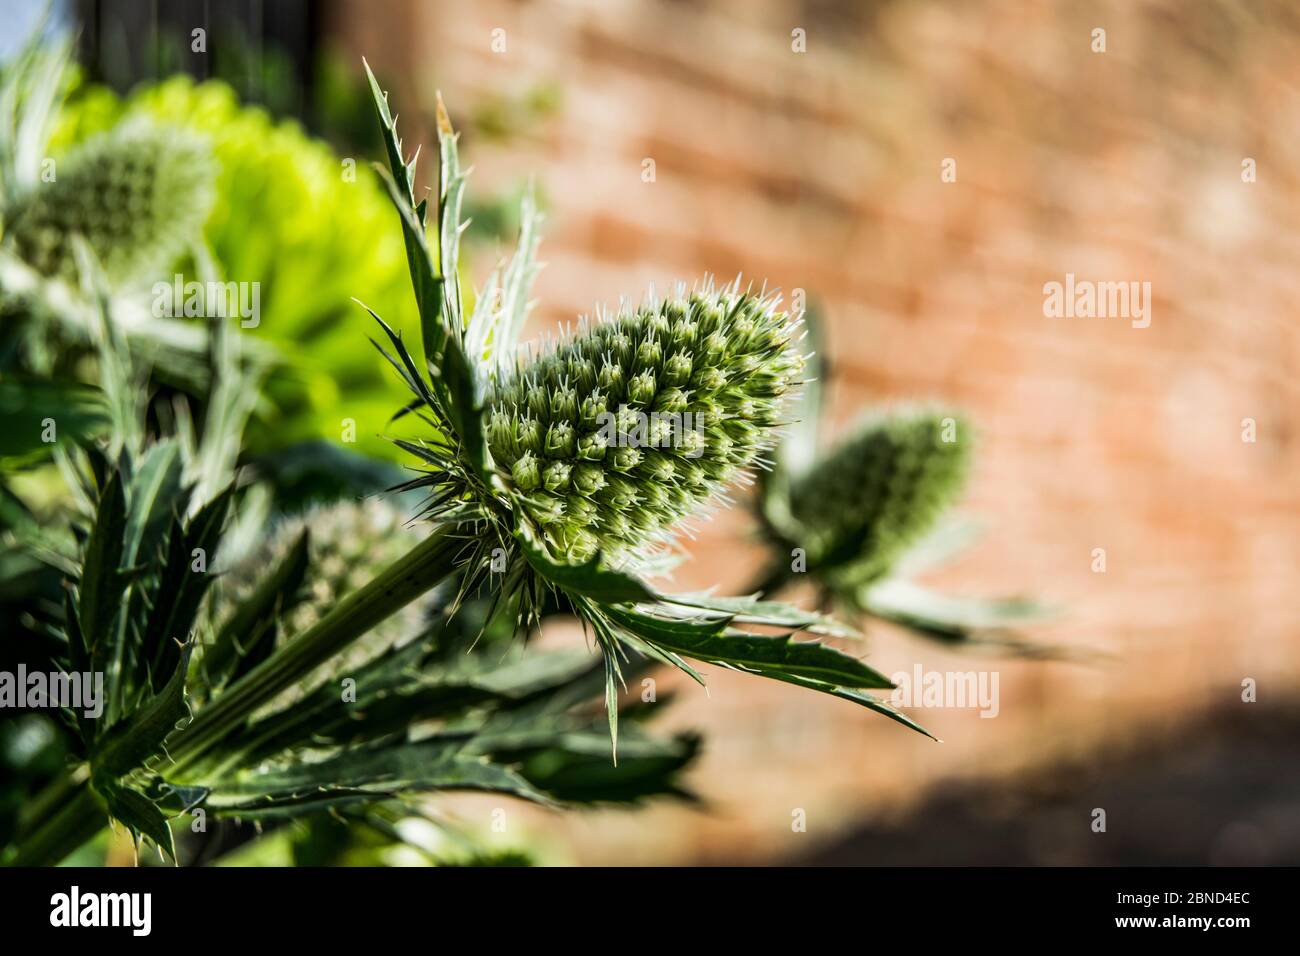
637	420
879	491
137	194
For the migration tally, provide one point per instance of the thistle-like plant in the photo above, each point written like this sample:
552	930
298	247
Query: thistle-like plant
856	511
274	178
137	195
532	503
132	198
863	517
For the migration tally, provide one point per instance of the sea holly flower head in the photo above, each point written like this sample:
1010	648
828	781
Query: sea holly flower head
652	413
136	194
879	491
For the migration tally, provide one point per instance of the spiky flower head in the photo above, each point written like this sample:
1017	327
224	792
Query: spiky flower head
623	429
875	494
136	194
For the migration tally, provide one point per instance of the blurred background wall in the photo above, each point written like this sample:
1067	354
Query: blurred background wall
804	143
821	170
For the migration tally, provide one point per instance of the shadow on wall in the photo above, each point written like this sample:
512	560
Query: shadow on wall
1221	791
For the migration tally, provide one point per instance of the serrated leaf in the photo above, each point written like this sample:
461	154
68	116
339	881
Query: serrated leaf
451	189
140	815
388	129
139	735
179	592
752	610
426	276
100	590
863	699
769	656
425	282
465	407
366	774
155	490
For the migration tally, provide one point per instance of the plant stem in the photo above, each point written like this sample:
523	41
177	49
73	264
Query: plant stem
80	816
410	576
75	822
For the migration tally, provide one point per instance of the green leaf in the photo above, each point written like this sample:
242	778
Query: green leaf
426	279
880	706
28	405
392	145
465	407
140	815
451	191
750	610
589	579
180	589
102	581
365	775
578	770
138	736
425	282
776	657
155	494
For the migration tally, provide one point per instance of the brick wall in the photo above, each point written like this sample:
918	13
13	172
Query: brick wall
821	170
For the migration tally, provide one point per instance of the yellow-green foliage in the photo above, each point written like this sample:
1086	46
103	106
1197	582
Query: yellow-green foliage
315	229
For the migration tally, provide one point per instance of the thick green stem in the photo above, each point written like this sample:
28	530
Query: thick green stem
80	816
410	576
75	822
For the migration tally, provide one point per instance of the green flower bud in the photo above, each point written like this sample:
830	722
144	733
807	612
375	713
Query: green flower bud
138	194
671	400
694	385
525	472
593	447
880	490
611	378
561	441
677	370
543	508
593	410
588	478
529	437
564	404
625	459
579	512
555	478
641	390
